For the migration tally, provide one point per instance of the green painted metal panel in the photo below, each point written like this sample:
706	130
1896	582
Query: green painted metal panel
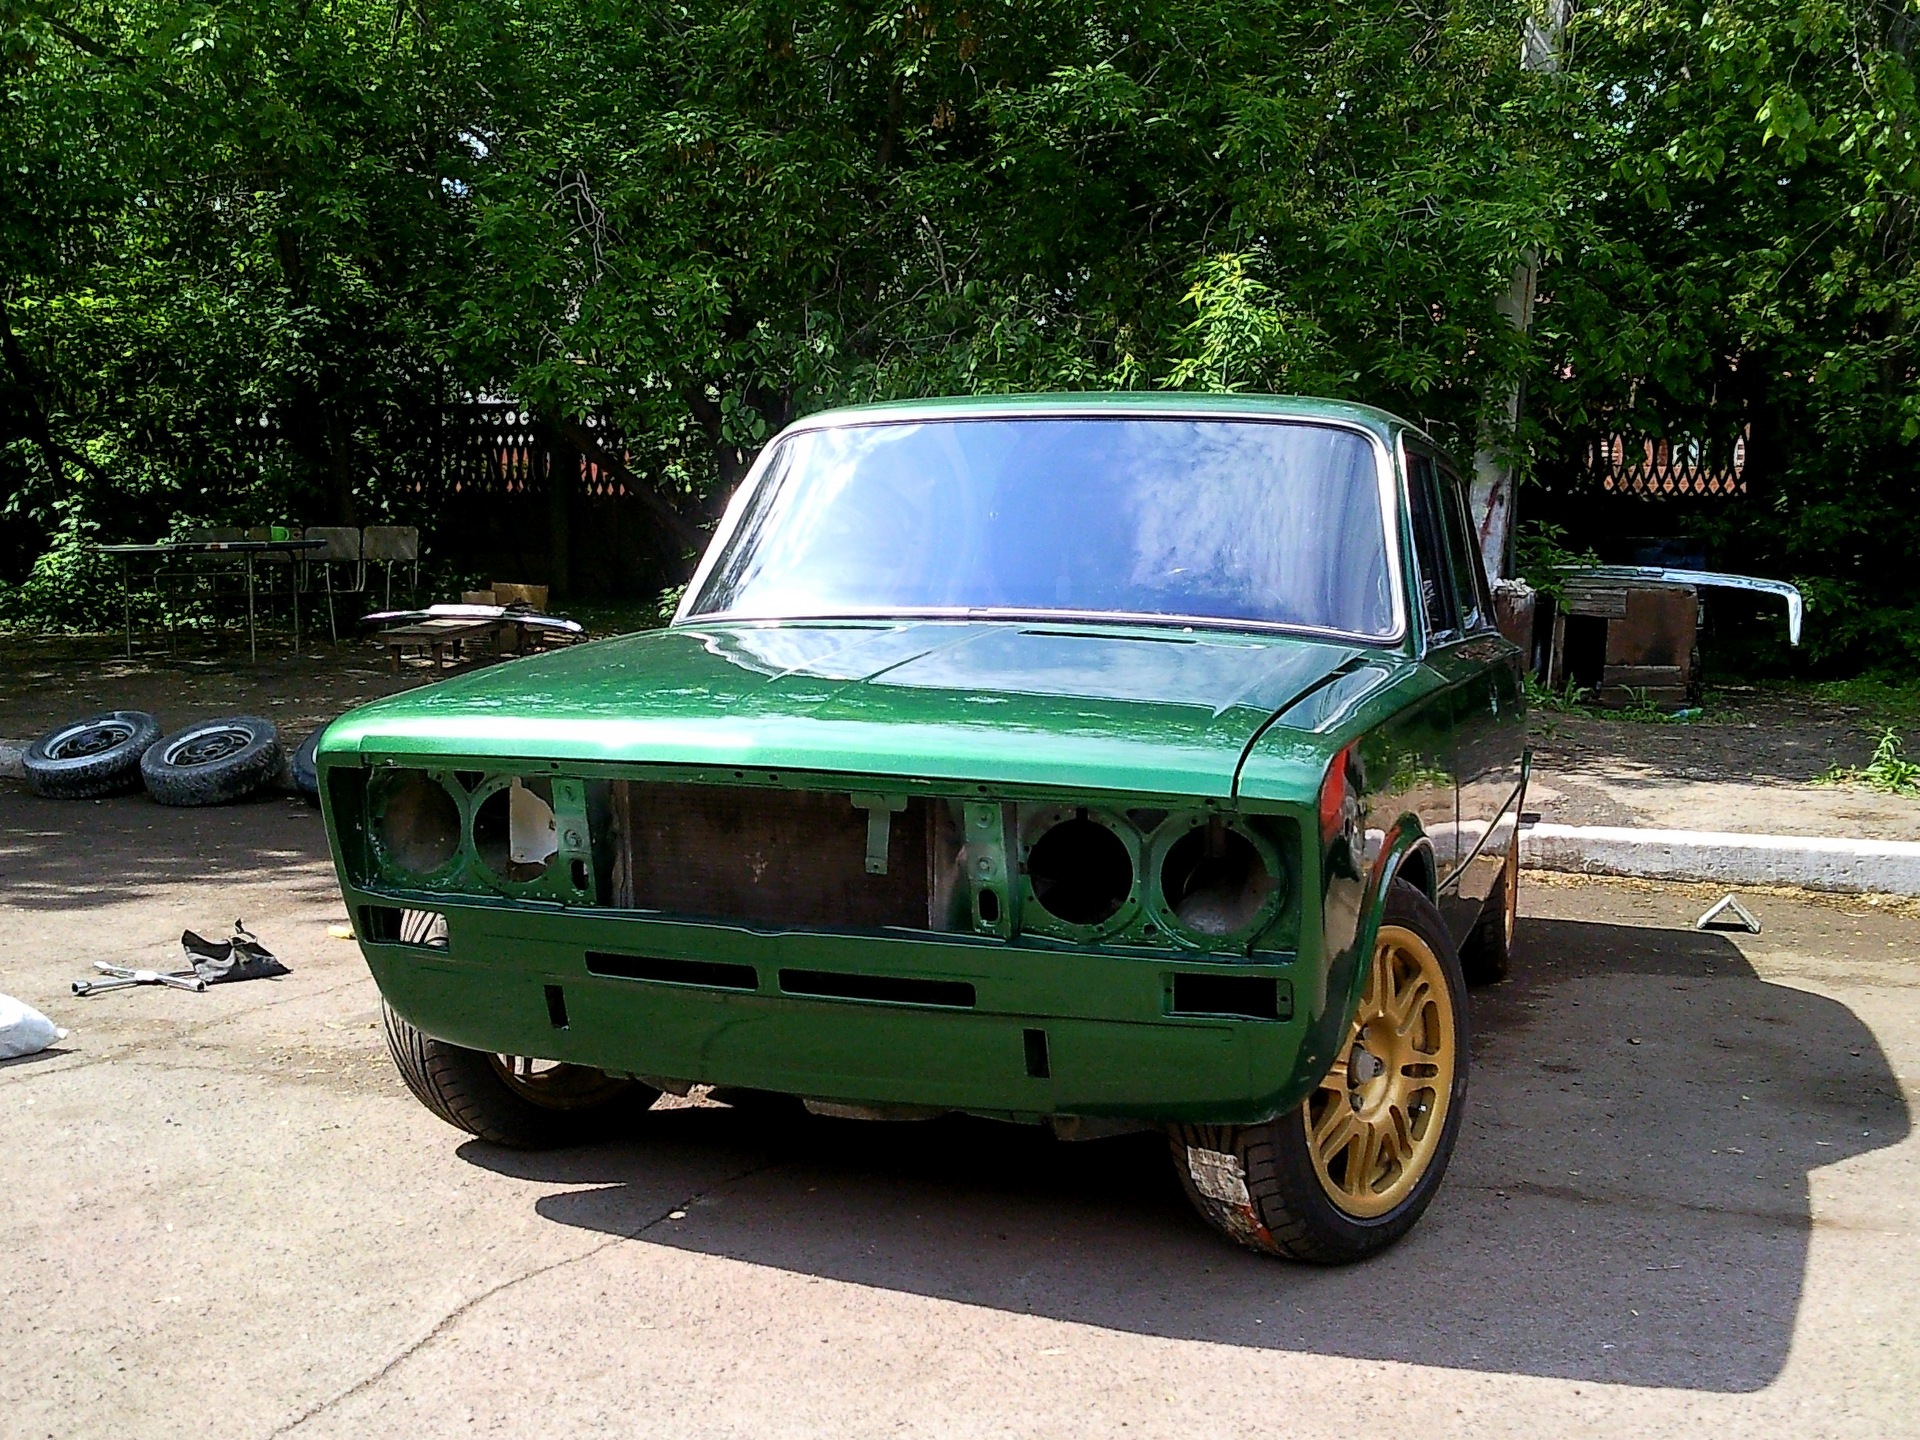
1082	707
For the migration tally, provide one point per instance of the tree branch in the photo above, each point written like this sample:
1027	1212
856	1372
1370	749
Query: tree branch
88	45
79	458
683	530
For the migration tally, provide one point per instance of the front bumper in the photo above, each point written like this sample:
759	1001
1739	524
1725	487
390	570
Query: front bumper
1120	1035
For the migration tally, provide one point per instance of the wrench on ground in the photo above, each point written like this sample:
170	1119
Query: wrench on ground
120	977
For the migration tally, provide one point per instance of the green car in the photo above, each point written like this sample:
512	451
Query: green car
1099	761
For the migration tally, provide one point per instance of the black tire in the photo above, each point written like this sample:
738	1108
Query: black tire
302	770
99	755
1487	957
471	1091
214	762
1258	1185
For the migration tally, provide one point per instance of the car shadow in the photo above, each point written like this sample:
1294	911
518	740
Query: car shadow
1629	1202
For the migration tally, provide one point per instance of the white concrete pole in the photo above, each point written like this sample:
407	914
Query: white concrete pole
1541	48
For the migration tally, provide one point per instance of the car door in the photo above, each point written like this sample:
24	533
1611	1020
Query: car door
1489	724
1414	768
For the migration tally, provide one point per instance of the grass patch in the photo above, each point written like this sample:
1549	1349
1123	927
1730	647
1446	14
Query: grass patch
1889	771
1885	702
1640	709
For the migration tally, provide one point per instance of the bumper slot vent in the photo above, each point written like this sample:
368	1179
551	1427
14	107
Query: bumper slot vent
1242	997
391	925
889	989
709	974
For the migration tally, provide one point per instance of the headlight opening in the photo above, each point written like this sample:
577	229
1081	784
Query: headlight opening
416	823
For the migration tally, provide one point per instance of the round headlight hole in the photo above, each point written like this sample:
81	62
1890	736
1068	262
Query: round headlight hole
1214	881
419	826
1080	871
514	832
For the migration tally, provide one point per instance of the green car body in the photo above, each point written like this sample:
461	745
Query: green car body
892	777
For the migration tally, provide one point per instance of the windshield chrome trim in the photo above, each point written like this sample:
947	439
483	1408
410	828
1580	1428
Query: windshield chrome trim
1386	479
1144	619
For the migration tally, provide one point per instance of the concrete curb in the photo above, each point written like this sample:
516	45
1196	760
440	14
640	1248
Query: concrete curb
1887	867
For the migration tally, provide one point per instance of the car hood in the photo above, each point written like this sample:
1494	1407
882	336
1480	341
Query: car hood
1069	707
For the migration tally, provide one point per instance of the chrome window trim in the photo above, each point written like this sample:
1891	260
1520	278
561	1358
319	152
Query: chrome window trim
1429	640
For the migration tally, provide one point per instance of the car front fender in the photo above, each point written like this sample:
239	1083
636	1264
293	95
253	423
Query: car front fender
1351	912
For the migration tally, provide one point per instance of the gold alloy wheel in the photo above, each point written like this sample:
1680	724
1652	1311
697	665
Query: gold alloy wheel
1377	1118
1511	876
554	1085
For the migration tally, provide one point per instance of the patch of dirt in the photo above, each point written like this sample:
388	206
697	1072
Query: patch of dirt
45	682
1759	736
1748	766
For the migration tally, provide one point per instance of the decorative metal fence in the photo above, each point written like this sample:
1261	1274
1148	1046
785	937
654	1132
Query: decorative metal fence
507	497
1663	468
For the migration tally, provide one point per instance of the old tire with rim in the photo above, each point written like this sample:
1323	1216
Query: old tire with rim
1487	957
99	755
509	1100
213	762
1350	1170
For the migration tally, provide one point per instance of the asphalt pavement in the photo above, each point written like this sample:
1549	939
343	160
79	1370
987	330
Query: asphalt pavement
1685	1200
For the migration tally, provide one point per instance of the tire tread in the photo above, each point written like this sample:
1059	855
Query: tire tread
461	1087
94	776
232	778
1486	958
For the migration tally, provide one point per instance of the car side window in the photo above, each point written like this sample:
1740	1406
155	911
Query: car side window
1434	586
1469	573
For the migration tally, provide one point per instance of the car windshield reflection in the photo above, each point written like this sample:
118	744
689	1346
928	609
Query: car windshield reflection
1271	523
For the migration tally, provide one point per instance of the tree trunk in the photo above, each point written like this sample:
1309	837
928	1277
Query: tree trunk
683	533
24	398
339	460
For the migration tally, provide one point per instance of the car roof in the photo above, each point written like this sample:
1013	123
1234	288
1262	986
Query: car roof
1381	423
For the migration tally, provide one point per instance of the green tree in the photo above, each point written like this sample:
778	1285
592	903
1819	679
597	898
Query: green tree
1746	264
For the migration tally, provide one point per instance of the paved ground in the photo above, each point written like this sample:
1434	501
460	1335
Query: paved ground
1687	1197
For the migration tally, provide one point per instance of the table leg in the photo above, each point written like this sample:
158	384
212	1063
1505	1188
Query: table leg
293	571
126	597
253	647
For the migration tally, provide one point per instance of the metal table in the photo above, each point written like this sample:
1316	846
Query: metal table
248	551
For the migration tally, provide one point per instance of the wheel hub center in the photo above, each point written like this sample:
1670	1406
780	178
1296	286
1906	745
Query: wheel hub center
1369	1078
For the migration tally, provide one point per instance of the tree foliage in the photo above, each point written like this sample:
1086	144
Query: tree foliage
248	248
1747	261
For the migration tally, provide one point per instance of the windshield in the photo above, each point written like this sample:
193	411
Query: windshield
1236	520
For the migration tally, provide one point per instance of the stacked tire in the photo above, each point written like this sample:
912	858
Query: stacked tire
97	756
213	762
303	769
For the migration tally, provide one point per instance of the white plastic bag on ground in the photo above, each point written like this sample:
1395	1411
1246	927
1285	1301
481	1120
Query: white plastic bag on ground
24	1030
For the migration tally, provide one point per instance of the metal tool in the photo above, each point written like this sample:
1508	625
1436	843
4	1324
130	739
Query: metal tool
1741	917
120	977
